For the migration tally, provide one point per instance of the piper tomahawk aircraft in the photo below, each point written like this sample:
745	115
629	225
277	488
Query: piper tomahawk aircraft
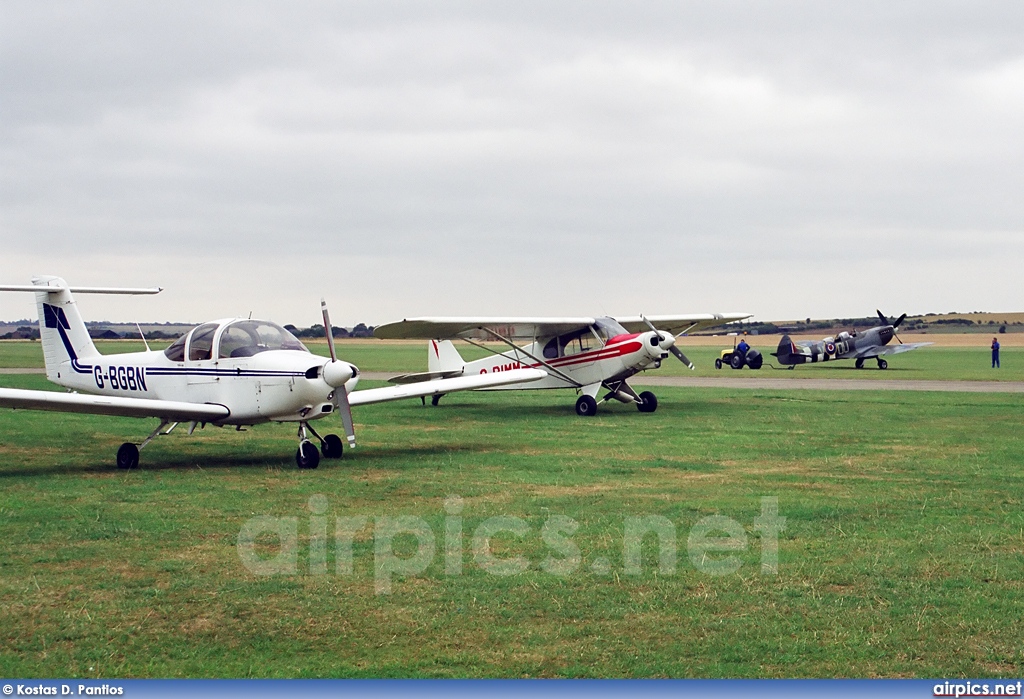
586	354
870	344
231	372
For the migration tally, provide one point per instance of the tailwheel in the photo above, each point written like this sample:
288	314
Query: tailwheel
882	364
307	456
648	402
128	456
332	447
586	406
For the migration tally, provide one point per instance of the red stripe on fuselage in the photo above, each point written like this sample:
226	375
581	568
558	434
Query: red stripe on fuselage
609	351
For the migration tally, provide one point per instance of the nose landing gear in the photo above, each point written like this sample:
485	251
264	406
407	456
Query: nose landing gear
308	456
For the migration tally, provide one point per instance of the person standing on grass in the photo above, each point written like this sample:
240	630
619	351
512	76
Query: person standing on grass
995	353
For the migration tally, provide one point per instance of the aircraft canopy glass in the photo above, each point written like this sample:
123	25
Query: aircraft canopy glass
608	328
244	338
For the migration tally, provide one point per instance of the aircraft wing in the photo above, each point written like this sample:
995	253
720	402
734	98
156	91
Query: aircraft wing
676	324
176	411
439	386
890	349
512	328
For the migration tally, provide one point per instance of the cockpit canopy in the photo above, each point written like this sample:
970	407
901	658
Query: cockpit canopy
233	338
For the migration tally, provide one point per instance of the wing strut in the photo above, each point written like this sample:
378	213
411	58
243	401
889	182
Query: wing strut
575	383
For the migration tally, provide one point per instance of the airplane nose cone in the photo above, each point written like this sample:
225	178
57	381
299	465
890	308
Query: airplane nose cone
336	374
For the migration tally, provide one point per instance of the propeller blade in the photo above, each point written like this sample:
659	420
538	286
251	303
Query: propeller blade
899	320
881	317
328	330
342	404
649	323
682	357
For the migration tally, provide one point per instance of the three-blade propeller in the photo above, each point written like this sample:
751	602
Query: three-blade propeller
671	343
895	324
336	374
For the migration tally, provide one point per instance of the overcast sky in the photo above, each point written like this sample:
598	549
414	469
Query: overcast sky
787	159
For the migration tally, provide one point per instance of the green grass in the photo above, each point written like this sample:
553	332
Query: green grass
903	553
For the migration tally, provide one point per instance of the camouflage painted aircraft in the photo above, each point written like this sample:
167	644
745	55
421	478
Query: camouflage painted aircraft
869	344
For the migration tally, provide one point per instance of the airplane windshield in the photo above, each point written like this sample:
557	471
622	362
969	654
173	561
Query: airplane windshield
244	338
608	328
176	352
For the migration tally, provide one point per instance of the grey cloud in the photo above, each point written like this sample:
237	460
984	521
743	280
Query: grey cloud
596	144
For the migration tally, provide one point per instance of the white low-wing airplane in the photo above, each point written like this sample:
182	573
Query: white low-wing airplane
586	354
230	372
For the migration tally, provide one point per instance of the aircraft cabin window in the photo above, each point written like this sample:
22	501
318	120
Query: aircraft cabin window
176	352
570	344
244	338
201	345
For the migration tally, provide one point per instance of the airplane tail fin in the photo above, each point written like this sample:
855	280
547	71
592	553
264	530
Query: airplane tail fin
785	351
443	358
61	329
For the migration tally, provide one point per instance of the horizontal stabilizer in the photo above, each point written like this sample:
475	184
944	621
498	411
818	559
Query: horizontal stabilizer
81	289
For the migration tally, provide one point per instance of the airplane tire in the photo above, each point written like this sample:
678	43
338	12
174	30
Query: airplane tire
434	400
859	364
128	456
307	455
882	364
333	447
586	406
737	361
718	363
648	402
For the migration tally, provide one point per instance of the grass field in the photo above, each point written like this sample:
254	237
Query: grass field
902	553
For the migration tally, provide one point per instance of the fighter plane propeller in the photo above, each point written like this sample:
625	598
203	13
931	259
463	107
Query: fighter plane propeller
894	325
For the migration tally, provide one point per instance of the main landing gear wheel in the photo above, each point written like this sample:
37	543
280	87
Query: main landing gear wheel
586	406
434	400
128	456
882	364
333	447
718	363
859	364
648	402
307	456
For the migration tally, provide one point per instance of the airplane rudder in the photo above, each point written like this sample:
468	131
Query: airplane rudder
442	356
62	332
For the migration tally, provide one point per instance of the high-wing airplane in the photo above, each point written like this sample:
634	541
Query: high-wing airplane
587	354
870	344
230	372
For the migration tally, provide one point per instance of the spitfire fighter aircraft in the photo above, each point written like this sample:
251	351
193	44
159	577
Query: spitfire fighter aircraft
870	344
230	372
587	354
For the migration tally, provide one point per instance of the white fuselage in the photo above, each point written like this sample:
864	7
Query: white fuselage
280	385
587	364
